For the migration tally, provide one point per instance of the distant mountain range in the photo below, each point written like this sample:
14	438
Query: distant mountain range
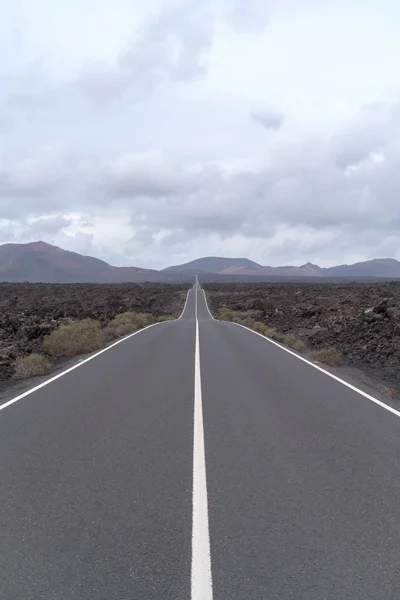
41	262
377	267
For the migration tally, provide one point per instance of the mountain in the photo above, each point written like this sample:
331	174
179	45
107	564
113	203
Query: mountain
39	261
377	267
307	270
216	264
235	267
242	266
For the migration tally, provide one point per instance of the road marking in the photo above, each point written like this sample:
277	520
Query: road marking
84	361
201	584
184	308
205	301
331	375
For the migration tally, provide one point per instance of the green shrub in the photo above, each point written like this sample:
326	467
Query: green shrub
126	323
329	356
32	365
78	337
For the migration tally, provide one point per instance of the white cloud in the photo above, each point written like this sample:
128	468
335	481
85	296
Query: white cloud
142	146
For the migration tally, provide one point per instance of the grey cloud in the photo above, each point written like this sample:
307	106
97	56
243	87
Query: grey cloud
367	133
305	188
7	231
144	175
28	92
174	42
143	235
48	225
29	101
268	118
45	182
301	189
171	45
102	83
20	229
79	242
6	122
249	17
35	175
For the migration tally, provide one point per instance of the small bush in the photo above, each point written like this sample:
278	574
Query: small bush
225	314
126	323
273	334
166	318
247	322
32	366
78	337
293	342
259	327
329	356
269	332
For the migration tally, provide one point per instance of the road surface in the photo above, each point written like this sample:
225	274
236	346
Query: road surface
197	460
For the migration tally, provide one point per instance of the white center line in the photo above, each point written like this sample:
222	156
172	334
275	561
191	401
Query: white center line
201	584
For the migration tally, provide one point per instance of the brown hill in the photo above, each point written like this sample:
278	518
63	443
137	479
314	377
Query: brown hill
41	262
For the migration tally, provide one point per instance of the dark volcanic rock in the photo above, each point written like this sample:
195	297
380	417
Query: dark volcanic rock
28	312
361	320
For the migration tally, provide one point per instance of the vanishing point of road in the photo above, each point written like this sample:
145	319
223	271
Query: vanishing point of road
196	460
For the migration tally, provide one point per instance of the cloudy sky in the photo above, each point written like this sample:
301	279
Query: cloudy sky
152	132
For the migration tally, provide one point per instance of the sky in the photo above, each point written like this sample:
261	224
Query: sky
152	132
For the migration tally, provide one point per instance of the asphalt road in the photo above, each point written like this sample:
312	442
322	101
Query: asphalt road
197	460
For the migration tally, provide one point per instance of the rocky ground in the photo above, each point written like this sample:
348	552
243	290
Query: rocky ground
361	321
29	311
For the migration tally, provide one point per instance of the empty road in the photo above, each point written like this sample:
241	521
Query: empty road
197	461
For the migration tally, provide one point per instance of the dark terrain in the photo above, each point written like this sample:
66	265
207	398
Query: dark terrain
30	311
360	320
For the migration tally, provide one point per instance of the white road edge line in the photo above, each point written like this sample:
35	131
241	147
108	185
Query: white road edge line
314	366
205	301
201	578
184	308
86	360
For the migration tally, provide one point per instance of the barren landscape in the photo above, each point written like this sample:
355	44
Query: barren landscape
358	323
30	312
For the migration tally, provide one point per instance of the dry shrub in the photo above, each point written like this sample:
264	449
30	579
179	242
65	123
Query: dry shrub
329	356
269	332
247	322
259	327
273	334
126	323
225	314
293	342
32	365
78	337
